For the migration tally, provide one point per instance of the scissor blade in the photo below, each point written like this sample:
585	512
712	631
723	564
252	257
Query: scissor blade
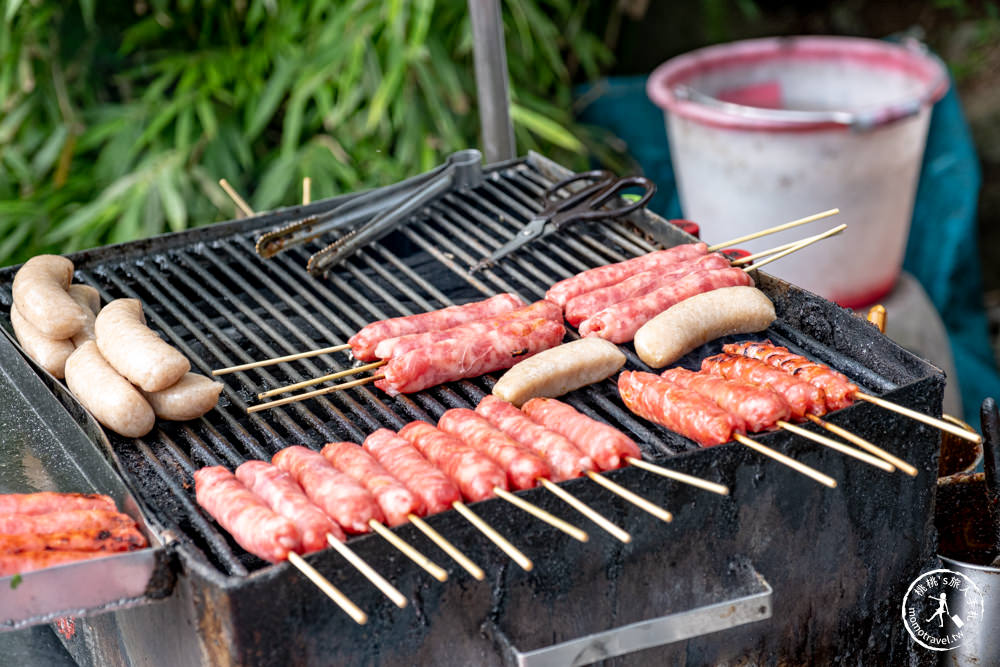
528	233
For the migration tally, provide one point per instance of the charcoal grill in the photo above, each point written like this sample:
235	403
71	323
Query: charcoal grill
838	561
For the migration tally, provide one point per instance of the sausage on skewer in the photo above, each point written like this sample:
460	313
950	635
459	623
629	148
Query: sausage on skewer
404	462
801	397
760	408
474	473
605	445
396	501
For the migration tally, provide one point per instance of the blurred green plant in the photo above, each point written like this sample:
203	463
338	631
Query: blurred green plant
116	123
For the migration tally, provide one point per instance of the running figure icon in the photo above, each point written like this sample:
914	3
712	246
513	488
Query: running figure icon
941	610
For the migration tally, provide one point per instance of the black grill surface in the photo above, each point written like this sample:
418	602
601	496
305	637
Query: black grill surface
209	294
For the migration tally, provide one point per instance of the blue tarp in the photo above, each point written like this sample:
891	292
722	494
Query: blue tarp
941	252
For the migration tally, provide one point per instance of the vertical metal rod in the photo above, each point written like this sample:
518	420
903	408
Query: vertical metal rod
492	80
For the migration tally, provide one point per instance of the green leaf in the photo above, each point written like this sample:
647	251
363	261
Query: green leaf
16	580
267	104
545	128
173	205
12	7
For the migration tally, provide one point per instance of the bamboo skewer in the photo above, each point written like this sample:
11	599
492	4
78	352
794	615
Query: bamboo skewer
278	360
798	246
369	573
326	378
324	585
315	392
782	247
486	529
837	446
864	444
971	436
826	480
306	190
634	498
409	551
542	515
586	510
446	546
721	489
779	228
241	203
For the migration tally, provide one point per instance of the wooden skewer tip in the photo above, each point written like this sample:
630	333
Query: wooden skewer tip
409	551
797	466
368	572
586	510
449	548
714	487
331	591
837	446
542	515
778	228
634	498
499	540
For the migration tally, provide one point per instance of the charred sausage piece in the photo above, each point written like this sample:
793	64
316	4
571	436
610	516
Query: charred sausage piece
523	467
49	353
701	318
581	307
29	561
467	357
395	500
620	322
135	350
253	524
760	408
837	389
63	522
680	410
564	458
475	474
559	370
801	397
403	461
47	501
343	499
91	539
363	343
189	398
285	497
403	344
40	294
609	274
605	445
112	400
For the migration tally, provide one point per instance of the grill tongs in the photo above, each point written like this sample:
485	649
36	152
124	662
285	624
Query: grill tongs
370	216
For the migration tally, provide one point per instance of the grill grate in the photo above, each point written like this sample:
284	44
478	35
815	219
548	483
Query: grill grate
221	305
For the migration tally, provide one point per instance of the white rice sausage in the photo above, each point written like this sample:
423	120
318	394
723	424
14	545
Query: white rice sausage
191	397
49	353
135	350
701	318
560	370
110	398
40	295
90	299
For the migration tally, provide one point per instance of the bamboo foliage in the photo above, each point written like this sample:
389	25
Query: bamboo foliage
117	120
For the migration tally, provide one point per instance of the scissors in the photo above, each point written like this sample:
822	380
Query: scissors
582	205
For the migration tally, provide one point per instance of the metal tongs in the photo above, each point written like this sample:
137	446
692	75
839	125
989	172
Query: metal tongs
584	204
370	216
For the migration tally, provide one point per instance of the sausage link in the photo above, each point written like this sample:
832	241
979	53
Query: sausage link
363	343
63	521
44	502
395	500
49	353
408	465
29	561
285	497
135	350
474	473
91	539
560	370
760	408
344	500
40	294
189	398
523	467
564	458
110	398
609	274
801	397
605	445
703	317
90	300
682	411
586	305
255	526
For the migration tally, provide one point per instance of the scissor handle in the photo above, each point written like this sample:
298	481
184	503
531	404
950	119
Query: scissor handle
589	207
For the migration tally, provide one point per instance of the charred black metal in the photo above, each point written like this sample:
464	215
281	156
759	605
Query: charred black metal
839	561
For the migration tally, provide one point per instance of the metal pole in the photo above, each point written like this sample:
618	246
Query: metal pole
491	80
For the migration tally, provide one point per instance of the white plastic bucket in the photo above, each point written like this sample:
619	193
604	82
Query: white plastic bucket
768	130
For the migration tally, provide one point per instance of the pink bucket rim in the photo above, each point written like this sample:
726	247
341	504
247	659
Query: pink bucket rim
912	59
